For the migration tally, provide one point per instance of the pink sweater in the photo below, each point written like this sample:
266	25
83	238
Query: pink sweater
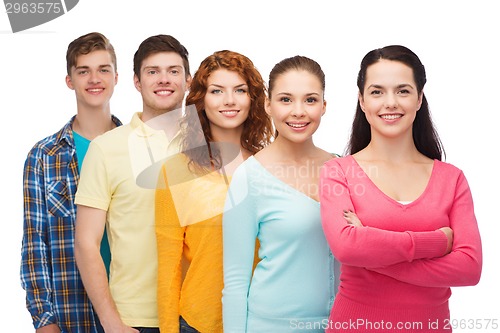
395	276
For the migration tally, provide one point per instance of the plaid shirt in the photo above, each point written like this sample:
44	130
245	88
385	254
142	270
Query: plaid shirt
54	291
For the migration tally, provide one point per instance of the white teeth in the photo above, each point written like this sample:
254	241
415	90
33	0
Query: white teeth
391	116
297	125
163	92
95	90
229	113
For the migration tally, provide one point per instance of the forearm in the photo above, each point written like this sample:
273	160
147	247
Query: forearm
36	274
453	270
238	253
169	280
368	246
170	244
51	328
36	281
94	278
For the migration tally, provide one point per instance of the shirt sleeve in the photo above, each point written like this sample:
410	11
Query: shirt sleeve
170	243
462	266
93	187
35	271
367	246
240	228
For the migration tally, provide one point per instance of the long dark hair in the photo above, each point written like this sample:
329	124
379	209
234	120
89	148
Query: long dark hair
425	136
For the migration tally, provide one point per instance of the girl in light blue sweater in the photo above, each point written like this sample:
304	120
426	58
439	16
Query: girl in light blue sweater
274	196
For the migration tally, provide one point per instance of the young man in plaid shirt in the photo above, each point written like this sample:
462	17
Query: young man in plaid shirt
55	296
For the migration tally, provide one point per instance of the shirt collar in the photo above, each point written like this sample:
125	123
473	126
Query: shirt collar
66	133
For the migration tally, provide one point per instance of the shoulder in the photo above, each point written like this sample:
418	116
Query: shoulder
53	143
112	137
446	170
339	161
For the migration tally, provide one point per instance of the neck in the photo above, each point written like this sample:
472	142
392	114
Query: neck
91	123
149	113
227	135
167	121
297	152
392	149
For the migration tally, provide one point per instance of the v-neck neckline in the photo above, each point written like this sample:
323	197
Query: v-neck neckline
281	181
430	181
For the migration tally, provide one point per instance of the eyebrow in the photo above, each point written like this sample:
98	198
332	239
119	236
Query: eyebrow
290	94
87	67
158	66
220	86
399	86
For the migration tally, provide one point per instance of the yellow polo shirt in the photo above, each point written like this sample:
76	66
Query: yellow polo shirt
109	181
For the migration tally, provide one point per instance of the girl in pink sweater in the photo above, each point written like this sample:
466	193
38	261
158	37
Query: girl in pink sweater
400	221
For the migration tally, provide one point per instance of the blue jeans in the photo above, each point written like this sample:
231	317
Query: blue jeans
184	327
148	329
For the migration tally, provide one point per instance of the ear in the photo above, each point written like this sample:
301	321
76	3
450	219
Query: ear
69	83
137	83
361	101
420	99
267	106
324	108
116	78
189	79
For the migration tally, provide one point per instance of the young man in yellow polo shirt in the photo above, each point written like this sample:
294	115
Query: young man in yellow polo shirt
109	195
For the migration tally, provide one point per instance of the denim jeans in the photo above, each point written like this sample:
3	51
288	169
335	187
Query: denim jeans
148	329
185	328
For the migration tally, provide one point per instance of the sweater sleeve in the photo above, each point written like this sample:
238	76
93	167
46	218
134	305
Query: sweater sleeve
462	266
240	227
367	246
170	242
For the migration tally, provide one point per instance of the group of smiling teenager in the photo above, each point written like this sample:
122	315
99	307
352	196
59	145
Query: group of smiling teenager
221	213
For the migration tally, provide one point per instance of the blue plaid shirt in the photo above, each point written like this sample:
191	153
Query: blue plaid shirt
54	290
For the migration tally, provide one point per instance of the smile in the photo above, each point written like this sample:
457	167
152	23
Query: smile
164	92
391	116
95	90
229	113
297	125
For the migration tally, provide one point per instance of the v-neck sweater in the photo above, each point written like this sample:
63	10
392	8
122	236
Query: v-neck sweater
394	269
293	283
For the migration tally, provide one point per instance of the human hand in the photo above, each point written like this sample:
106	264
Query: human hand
118	327
52	328
352	218
449	235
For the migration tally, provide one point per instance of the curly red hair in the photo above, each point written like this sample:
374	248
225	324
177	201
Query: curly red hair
257	128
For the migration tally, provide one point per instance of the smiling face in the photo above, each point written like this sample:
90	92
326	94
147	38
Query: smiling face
390	99
296	105
93	78
162	83
227	102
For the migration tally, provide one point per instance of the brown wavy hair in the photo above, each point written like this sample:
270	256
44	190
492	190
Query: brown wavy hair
257	128
86	44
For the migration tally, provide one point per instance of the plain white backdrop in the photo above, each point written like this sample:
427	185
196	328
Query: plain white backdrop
456	40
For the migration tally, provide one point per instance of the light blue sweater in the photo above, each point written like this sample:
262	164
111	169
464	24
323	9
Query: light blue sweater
293	286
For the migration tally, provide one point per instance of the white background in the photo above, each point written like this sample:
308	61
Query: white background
456	40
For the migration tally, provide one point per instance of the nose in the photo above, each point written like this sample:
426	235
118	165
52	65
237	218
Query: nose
298	110
391	101
228	98
164	78
94	77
